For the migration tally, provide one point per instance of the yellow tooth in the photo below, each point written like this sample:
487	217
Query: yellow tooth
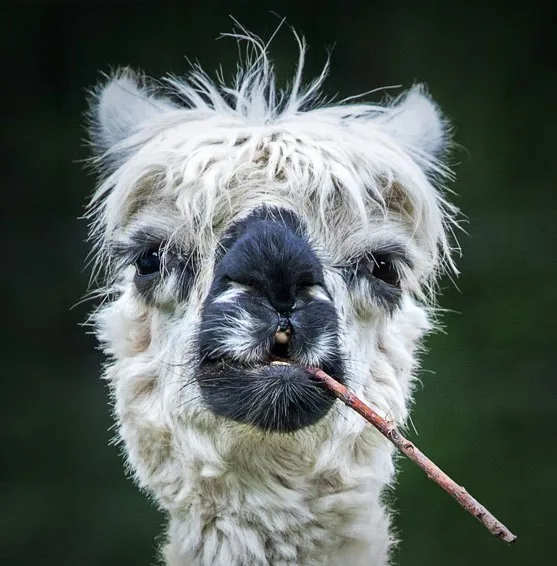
277	363
282	337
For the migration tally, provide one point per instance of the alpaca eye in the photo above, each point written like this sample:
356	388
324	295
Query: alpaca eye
381	268
149	262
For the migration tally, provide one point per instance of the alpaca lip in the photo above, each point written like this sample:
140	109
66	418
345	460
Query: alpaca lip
274	395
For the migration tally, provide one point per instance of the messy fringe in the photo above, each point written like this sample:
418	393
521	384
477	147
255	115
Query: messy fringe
255	100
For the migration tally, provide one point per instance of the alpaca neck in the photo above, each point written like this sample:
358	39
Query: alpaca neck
283	517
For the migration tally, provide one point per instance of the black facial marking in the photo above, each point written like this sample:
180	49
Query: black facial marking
183	269
154	260
380	271
283	217
268	252
272	398
265	282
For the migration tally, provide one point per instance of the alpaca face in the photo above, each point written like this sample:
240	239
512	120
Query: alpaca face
243	244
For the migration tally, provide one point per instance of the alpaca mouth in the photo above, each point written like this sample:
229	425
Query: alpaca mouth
275	395
280	351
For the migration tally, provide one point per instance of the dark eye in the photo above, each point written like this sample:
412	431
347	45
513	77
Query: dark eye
380	267
149	262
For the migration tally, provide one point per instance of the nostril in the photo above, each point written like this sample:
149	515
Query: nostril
284	324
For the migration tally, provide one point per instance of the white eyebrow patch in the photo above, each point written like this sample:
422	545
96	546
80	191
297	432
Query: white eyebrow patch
230	296
236	334
316	292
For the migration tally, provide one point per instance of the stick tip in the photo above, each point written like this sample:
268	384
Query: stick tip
506	536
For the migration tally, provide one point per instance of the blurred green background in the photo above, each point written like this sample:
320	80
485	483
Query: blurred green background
486	411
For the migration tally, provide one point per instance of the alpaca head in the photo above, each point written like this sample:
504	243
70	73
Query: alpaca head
247	234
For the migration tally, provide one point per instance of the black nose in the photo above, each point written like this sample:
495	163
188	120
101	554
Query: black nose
262	303
272	257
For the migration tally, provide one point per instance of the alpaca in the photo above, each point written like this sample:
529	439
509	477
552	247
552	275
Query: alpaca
245	234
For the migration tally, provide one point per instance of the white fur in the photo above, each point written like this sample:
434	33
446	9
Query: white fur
358	176
230	296
235	333
317	293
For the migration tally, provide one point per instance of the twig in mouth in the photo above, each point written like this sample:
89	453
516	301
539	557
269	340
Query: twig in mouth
434	473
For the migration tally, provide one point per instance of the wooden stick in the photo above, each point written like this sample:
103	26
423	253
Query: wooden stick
434	473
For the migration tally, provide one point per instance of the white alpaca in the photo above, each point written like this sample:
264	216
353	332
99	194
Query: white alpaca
237	226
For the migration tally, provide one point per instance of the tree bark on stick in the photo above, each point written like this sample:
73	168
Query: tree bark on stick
434	473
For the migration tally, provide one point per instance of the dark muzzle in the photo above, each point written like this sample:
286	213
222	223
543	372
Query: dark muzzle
268	316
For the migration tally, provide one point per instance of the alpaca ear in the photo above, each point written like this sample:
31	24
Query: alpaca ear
416	122
119	107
